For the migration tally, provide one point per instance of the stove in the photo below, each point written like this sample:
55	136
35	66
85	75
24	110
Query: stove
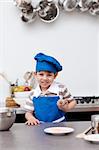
87	101
85	108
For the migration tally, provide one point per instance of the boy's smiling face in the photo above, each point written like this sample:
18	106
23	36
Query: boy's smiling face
45	79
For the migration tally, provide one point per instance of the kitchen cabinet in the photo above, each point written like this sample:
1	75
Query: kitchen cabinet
80	116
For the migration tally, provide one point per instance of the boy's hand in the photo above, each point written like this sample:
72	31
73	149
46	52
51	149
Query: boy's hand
32	121
62	104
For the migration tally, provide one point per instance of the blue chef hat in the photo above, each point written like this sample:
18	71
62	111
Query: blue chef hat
47	63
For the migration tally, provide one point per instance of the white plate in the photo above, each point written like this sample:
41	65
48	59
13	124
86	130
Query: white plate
58	130
92	138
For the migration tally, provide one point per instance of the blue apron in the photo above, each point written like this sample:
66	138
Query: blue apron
46	109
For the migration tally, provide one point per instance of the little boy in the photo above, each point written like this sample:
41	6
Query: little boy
50	100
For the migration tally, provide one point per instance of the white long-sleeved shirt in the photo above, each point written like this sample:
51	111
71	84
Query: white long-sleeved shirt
56	89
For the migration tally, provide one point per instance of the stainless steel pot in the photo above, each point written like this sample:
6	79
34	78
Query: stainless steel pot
7	118
70	5
94	8
48	11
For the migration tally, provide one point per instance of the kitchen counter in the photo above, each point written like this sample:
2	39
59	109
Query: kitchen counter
84	112
23	137
84	108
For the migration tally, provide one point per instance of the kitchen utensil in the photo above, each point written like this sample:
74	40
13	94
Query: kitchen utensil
81	135
69	5
89	5
60	3
95	124
58	130
7	118
48	11
28	12
28	17
27	76
21	3
30	79
83	5
94	9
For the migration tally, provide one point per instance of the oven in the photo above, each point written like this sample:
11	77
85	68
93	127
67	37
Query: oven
87	103
86	106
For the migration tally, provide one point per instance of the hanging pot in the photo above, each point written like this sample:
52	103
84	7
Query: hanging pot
28	17
83	5
89	5
60	3
48	11
28	13
95	124
70	5
94	8
21	4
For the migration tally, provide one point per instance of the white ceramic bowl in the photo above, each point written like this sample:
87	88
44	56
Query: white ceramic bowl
24	94
21	101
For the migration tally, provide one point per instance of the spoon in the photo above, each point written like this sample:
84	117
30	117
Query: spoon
81	135
27	76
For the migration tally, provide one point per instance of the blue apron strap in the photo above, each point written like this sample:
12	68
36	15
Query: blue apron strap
46	108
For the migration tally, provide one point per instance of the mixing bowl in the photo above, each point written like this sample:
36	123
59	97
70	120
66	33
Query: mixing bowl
7	118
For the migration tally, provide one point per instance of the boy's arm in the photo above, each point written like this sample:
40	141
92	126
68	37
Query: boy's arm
29	108
65	105
66	101
31	120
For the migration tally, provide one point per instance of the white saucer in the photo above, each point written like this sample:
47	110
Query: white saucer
92	138
58	130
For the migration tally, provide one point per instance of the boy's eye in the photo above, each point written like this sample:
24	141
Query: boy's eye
41	74
49	75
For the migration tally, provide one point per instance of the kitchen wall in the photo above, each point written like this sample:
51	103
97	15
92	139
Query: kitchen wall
73	39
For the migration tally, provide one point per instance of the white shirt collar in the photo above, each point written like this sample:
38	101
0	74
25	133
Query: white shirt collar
54	88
